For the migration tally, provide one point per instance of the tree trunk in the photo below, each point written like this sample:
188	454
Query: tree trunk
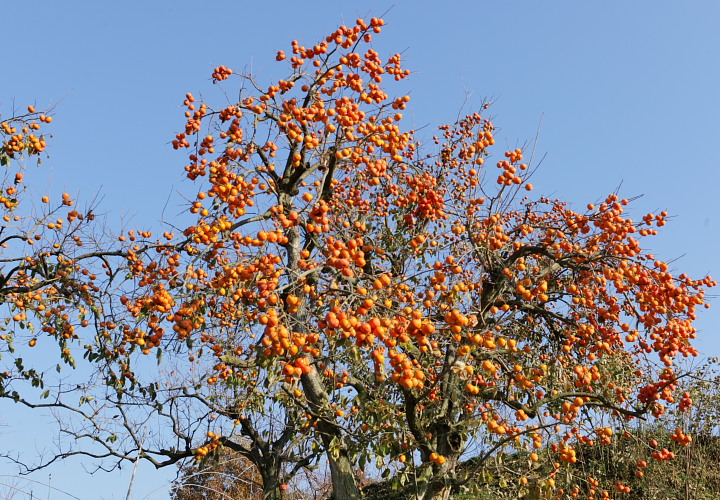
431	486
433	482
341	473
271	483
437	491
343	479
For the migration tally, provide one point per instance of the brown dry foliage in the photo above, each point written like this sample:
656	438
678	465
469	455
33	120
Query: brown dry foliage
228	476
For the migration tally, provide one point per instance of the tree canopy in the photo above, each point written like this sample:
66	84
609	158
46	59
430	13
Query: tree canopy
347	288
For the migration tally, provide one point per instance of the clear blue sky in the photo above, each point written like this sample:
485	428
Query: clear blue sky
627	93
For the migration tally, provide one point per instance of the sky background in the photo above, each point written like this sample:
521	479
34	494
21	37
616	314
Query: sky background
620	94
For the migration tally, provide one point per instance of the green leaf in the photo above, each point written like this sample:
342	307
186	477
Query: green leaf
334	447
485	476
153	393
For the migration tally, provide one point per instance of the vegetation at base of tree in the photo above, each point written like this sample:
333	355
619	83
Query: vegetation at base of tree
693	474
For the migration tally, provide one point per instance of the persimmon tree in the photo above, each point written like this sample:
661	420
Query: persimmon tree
414	300
232	285
52	263
509	322
349	288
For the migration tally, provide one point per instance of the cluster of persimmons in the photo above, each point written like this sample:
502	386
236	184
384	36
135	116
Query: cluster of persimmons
49	281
